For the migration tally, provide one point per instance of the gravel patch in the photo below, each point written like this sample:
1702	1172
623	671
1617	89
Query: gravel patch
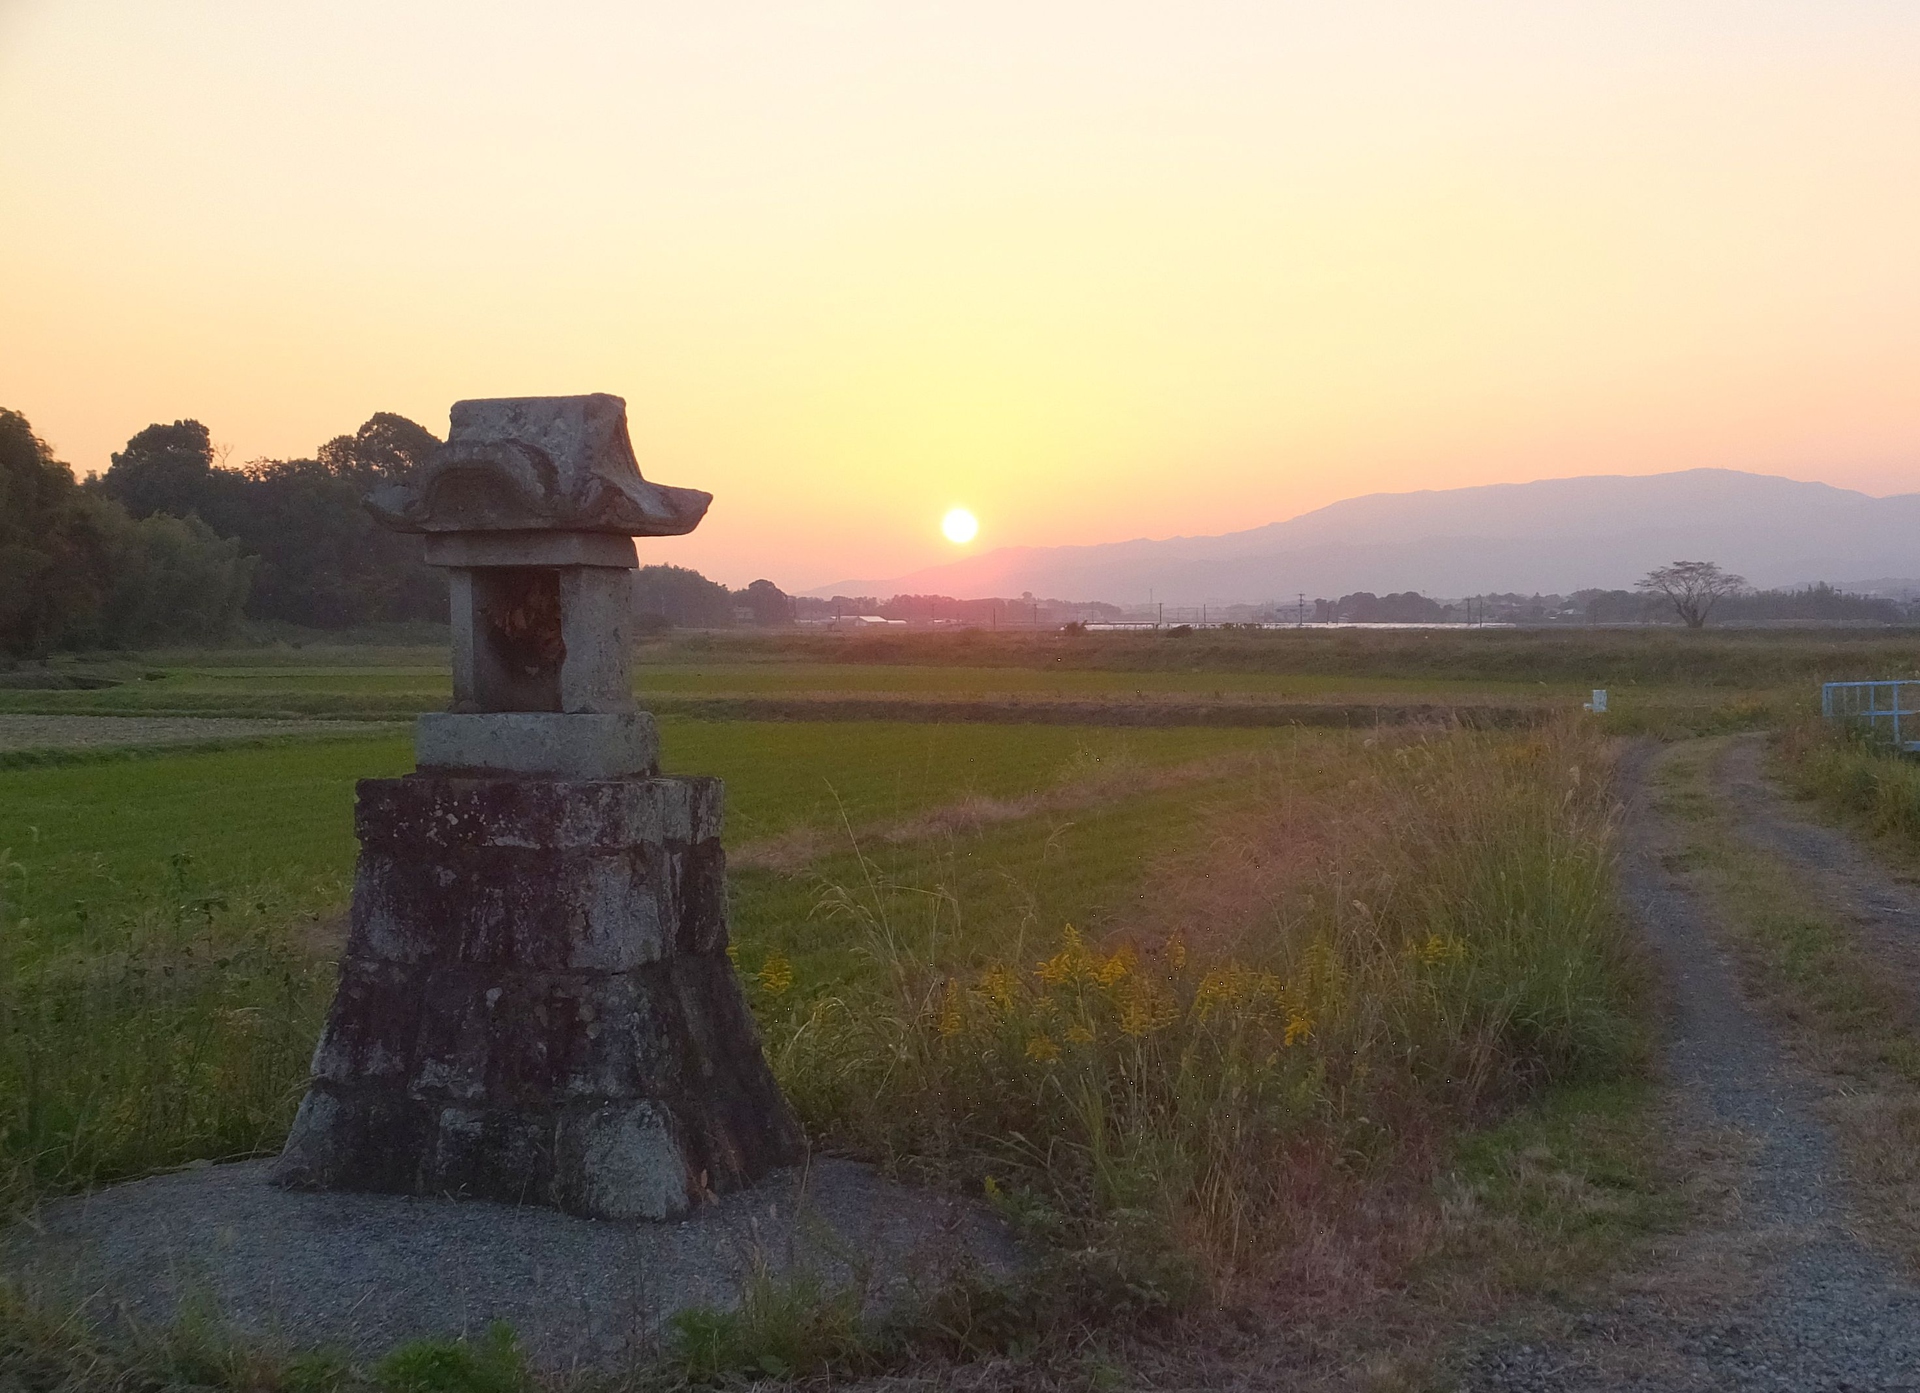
118	732
1775	1293
365	1272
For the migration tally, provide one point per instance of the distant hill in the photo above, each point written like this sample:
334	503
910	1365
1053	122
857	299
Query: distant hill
1550	536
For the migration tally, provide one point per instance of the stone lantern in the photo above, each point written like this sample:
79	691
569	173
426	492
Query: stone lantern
535	1000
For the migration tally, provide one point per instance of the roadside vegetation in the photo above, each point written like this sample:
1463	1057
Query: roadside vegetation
1375	948
1858	779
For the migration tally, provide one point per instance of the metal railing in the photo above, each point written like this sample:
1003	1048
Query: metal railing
1878	707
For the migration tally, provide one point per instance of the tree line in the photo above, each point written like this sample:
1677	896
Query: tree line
79	570
170	545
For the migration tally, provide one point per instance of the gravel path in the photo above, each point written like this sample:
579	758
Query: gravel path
1772	1292
365	1272
114	732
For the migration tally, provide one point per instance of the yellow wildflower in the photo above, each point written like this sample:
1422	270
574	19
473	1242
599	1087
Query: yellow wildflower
1299	1026
1000	985
1042	1050
1116	968
1079	1035
1144	1011
776	974
1176	952
1072	963
1224	986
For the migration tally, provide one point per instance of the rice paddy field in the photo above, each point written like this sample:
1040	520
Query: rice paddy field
1251	982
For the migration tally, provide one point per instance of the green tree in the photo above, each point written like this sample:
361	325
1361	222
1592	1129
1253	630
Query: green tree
770	604
683	597
76	569
50	568
384	447
321	562
324	563
169	469
170	580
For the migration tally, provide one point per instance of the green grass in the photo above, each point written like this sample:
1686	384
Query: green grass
160	983
106	836
1000	893
1662	664
1860	780
303	689
1573	657
1395	939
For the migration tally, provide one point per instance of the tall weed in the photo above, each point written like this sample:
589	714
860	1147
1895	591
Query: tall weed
1447	944
1863	779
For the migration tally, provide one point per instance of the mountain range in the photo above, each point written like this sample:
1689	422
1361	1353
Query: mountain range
1549	536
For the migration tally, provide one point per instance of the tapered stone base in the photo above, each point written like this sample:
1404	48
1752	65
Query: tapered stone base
536	1005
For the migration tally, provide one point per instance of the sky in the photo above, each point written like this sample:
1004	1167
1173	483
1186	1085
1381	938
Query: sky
1092	269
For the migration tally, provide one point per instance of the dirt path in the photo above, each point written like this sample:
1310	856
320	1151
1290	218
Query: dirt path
1771	1290
1880	907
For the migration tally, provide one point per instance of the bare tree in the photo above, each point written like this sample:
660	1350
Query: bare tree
1691	587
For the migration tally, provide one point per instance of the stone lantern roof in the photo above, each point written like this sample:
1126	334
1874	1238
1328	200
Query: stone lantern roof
531	507
537	464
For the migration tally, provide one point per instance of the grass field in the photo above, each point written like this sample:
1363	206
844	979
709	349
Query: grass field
1209	1007
389	690
108	836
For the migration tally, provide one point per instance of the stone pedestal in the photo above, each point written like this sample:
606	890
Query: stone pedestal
536	1004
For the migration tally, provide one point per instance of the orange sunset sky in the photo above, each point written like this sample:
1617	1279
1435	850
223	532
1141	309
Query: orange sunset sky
1094	270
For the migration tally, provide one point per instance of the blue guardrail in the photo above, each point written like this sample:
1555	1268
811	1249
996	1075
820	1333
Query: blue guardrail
1879	707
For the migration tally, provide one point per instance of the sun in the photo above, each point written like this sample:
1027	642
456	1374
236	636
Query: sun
960	526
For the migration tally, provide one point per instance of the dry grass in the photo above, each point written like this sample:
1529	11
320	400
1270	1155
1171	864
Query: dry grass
1364	958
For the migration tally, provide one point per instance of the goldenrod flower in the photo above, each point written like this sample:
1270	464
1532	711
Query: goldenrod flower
1079	1035
1228	985
1071	963
1115	968
1176	951
776	974
1042	1050
1137	1015
1299	1026
1001	986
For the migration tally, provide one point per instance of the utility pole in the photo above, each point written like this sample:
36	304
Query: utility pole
1302	611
